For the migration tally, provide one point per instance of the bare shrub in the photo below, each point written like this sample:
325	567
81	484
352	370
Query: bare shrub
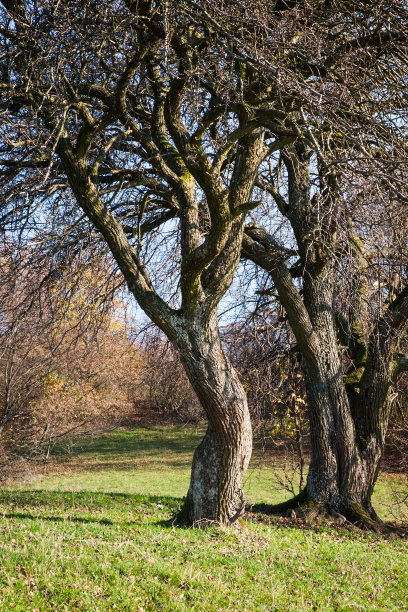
66	361
266	357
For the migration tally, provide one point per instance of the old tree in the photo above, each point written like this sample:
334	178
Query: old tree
115	122
154	128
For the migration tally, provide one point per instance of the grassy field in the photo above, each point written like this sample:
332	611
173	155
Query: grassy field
96	533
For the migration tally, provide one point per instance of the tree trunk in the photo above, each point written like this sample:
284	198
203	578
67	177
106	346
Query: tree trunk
346	484
343	469
348	411
223	455
344	464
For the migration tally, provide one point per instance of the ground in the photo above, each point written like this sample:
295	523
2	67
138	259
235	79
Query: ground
96	532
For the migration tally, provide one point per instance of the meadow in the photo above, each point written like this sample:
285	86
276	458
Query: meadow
96	532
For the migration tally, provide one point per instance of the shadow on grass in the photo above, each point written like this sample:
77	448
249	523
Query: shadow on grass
23	503
79	498
60	519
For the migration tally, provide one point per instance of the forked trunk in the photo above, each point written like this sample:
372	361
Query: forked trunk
347	437
222	457
344	466
348	411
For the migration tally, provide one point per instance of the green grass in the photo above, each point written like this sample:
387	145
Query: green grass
96	533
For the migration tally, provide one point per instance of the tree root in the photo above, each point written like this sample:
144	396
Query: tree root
183	517
312	511
309	510
356	515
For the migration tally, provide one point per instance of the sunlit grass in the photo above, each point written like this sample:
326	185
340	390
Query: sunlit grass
96	533
156	460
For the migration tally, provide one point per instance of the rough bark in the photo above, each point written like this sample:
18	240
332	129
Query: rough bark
348	413
341	474
222	457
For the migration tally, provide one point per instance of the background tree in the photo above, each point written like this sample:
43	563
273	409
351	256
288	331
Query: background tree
262	347
163	387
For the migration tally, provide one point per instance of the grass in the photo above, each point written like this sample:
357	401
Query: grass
96	534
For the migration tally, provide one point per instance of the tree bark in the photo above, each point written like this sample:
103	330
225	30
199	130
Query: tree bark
348	411
347	431
223	455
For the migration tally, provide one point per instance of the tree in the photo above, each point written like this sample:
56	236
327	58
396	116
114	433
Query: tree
100	133
350	360
347	312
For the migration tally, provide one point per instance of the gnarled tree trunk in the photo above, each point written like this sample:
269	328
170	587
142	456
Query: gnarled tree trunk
338	474
222	457
348	410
